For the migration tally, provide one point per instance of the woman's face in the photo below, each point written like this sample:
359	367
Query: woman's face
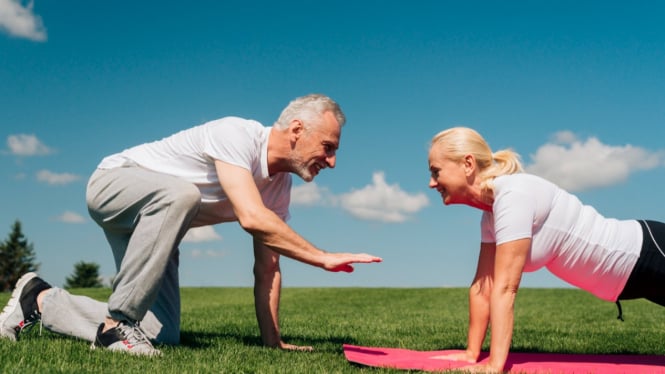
448	177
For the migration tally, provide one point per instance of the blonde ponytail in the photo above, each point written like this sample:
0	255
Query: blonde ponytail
506	162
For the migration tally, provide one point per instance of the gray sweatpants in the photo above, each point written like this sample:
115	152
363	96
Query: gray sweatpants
144	216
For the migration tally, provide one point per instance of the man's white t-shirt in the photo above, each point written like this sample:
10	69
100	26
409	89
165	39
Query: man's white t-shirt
190	154
572	240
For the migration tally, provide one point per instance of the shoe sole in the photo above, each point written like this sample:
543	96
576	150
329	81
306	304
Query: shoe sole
14	301
155	353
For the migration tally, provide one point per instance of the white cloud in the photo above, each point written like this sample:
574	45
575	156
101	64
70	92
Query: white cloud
209	253
52	178
20	21
382	202
201	234
565	137
580	165
309	194
70	217
27	145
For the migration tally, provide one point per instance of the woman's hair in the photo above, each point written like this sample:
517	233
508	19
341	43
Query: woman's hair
309	109
457	142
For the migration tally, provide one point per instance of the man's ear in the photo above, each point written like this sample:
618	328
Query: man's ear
296	129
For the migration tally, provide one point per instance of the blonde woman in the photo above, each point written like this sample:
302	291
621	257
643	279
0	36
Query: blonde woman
529	223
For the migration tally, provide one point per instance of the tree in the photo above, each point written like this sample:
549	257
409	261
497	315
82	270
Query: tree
86	275
16	258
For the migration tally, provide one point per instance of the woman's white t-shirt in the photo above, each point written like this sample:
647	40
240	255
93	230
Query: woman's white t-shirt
572	240
190	154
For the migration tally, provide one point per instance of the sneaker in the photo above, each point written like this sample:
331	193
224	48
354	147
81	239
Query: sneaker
21	311
125	337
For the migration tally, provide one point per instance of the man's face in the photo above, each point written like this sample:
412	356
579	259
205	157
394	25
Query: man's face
316	148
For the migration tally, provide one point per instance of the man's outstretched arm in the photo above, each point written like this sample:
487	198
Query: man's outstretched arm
268	228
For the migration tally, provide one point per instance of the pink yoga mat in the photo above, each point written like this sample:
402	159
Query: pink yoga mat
551	363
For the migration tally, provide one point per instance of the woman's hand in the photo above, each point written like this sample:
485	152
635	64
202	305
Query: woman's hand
457	356
481	368
468	356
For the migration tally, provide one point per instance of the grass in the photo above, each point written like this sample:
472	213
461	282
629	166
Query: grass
220	335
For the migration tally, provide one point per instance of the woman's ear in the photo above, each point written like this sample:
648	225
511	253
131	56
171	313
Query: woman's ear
469	164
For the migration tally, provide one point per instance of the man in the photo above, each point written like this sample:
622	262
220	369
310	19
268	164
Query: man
147	197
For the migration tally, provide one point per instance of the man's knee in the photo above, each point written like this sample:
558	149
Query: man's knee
169	337
164	331
186	197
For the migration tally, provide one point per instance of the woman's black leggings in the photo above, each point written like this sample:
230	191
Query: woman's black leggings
647	280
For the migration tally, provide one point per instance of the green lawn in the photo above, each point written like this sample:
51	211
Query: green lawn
220	333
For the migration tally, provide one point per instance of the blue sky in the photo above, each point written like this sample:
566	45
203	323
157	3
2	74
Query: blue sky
575	87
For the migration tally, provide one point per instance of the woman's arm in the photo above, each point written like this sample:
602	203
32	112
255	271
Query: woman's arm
479	300
479	306
508	266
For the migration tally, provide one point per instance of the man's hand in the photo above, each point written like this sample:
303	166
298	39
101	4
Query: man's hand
292	347
336	262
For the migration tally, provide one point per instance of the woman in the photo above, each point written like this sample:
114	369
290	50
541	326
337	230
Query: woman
529	223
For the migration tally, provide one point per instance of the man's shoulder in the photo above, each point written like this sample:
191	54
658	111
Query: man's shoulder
235	122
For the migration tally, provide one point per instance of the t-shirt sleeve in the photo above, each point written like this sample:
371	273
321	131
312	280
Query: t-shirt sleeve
232	142
513	213
487	228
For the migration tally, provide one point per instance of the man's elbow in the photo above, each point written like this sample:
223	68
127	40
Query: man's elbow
252	222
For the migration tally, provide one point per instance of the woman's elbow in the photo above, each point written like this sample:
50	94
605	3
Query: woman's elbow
480	290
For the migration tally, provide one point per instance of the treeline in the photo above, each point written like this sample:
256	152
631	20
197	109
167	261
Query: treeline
17	257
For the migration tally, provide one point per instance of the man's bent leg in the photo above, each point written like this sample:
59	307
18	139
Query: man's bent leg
166	309
144	215
80	316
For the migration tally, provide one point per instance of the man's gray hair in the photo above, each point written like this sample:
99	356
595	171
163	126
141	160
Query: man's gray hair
309	109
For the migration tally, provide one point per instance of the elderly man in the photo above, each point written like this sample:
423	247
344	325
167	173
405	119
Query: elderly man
147	197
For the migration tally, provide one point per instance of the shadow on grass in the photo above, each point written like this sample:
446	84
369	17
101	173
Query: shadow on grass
201	340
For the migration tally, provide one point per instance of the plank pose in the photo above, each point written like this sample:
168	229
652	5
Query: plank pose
529	223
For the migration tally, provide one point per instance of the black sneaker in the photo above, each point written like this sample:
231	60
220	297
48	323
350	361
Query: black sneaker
21	311
127	337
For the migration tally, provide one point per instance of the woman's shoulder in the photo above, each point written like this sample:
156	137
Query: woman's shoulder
520	178
525	182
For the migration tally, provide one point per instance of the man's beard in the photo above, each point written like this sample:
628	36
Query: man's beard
300	168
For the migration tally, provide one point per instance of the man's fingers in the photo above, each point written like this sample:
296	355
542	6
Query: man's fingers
365	258
300	348
342	261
